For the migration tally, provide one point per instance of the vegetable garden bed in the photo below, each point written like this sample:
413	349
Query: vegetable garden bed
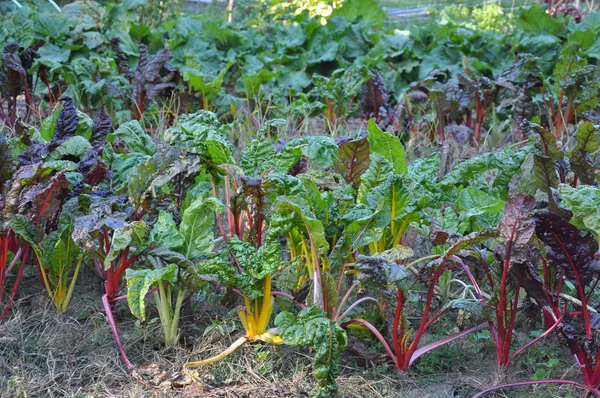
199	207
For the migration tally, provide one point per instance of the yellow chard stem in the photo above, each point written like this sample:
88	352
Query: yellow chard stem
255	312
372	248
175	320
236	344
165	319
267	306
44	276
72	286
401	231
244	320
393	215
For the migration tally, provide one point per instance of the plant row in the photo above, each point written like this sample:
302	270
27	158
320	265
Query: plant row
343	231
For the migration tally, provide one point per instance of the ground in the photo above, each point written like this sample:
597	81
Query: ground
45	354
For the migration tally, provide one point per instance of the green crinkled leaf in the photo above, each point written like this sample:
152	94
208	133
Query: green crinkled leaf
588	137
84	125
363	225
135	137
166	233
146	180
397	253
140	281
25	228
507	163
289	213
76	146
202	134
133	234
219	149
375	175
584	202
388	146
255	265
257	156
196	226
483	207
280	184
322	150
312	328
60	165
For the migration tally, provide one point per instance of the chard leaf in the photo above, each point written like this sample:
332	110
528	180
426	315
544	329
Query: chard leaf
139	283
73	147
516	231
202	134
588	137
507	163
567	247
388	146
377	172
100	129
196	226
133	234
312	328
25	228
363	225
353	158
165	232
66	123
583	202
481	206
322	150
255	265
257	156
149	177
135	137
289	213
7	166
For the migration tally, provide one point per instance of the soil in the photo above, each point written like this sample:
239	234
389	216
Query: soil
47	354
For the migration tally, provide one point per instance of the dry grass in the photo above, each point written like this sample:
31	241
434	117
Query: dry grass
45	354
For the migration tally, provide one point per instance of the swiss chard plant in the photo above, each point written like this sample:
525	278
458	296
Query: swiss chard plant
15	80
152	78
192	239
